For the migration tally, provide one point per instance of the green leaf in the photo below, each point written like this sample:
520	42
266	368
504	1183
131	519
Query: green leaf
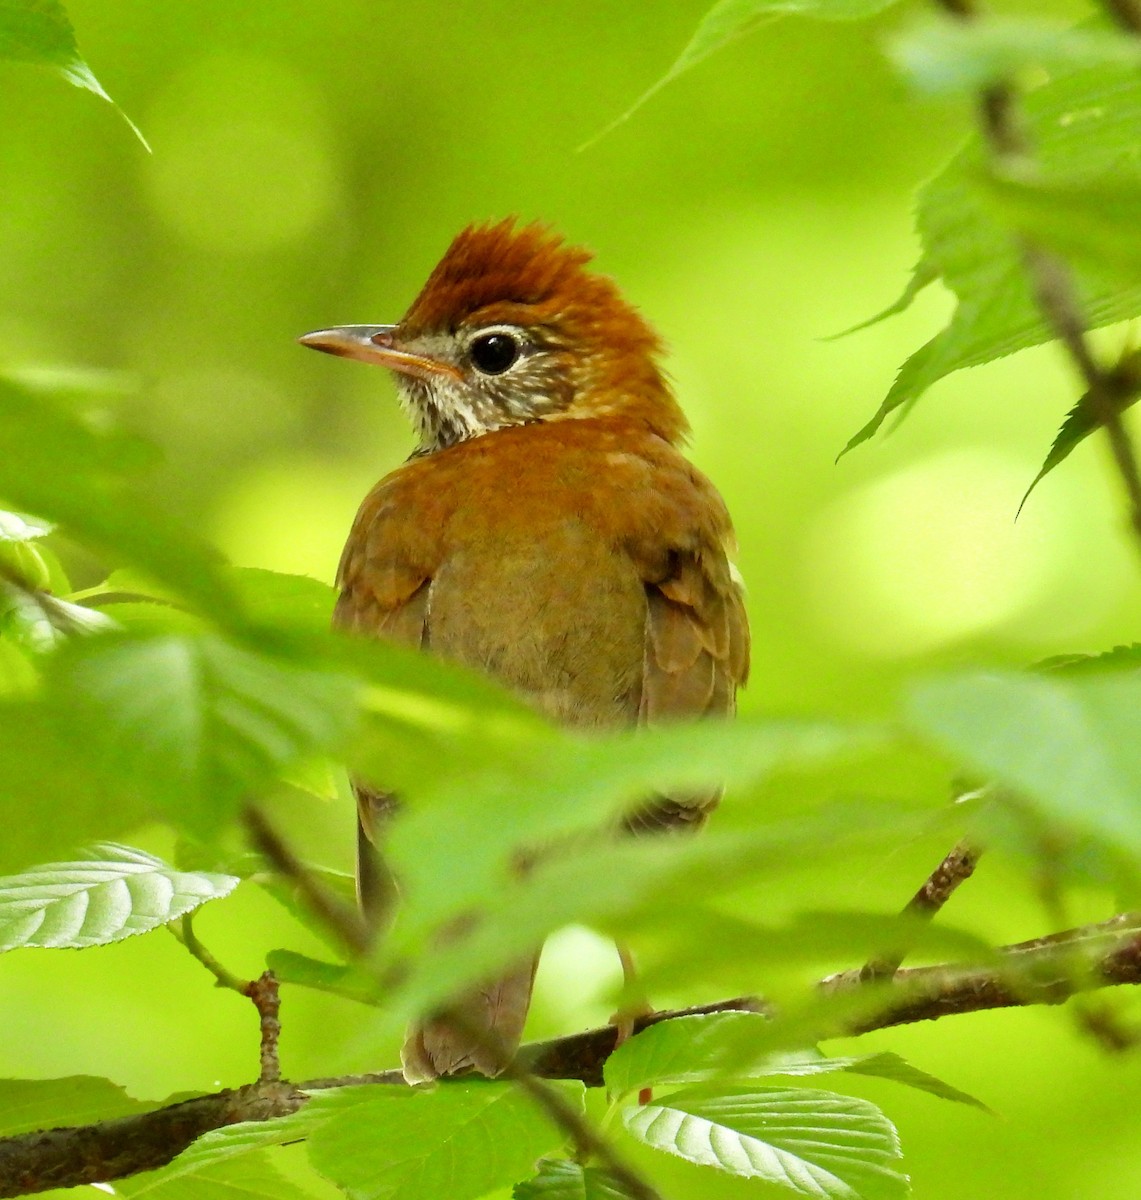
702	1048
117	893
335	978
922	274
42	443
39	622
285	601
1082	125
561	1179
195	724
1115	659
571	784
815	1143
682	1050
616	887
1087	219
213	1155
30	1104
459	1140
40	769
1068	744
883	1065
729	20
1080	421
250	1177
38	31
948	55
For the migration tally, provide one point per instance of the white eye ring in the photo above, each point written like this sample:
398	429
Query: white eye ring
495	350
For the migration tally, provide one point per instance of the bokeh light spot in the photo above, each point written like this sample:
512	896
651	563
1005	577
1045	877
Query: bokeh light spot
932	554
291	515
241	162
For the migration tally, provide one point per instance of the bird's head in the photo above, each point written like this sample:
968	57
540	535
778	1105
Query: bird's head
511	328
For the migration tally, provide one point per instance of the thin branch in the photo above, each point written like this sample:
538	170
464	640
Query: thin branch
223	977
940	886
263	992
339	918
1045	970
266	996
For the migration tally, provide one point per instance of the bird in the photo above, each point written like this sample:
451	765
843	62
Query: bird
546	530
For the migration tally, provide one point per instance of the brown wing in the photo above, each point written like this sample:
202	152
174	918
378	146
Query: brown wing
384	594
696	656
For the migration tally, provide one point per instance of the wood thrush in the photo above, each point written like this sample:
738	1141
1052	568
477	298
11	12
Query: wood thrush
545	530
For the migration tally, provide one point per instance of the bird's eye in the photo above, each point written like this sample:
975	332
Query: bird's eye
493	353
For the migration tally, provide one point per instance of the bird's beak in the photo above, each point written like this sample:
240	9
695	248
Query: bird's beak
375	344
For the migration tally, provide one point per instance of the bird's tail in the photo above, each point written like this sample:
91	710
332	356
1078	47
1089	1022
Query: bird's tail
483	1034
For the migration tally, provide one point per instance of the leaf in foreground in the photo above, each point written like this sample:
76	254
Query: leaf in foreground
1082	125
251	1177
709	1046
460	1140
729	20
194	724
1069	744
815	1143
29	1104
118	893
39	32
1081	420
561	1179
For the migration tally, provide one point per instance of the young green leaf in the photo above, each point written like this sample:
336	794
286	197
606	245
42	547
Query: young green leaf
883	1065
41	443
335	978
683	1050
55	797
1081	125
619	887
1081	420
729	20
29	1104
459	1141
250	1177
573	785
1115	659
1070	745
561	1179
117	893
38	31
194	724
815	1143
706	1047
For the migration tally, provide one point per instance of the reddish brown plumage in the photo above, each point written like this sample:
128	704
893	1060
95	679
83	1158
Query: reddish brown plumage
577	557
500	273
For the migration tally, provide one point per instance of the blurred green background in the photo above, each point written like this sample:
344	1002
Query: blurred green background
311	162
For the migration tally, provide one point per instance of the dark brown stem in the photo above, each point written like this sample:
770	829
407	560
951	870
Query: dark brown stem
341	920
1047	970
266	996
940	886
1127	13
